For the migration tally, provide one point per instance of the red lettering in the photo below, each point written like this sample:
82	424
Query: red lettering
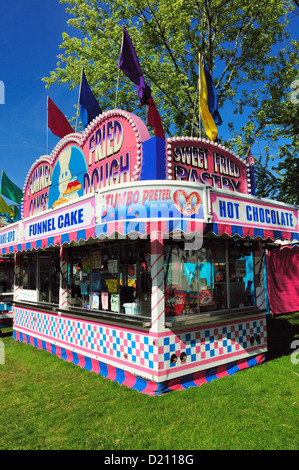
145	196
129	197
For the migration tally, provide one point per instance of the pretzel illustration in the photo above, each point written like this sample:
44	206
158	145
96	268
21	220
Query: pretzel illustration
187	204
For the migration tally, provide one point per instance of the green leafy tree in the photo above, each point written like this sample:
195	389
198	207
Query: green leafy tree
246	45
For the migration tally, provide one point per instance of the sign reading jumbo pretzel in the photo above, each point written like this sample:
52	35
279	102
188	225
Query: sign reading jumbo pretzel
152	201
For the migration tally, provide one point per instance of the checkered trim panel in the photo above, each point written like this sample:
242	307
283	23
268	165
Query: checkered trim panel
134	348
211	343
222	342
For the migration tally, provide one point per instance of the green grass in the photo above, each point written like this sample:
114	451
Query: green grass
49	404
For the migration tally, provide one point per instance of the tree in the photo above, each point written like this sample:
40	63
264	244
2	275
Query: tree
245	43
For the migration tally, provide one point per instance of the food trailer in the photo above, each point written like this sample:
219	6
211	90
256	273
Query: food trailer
141	258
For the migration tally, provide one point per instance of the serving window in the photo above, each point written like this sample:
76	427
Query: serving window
28	272
38	276
6	274
219	276
49	271
111	277
115	277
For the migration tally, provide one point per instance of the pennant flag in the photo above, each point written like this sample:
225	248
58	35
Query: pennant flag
5	209
57	121
89	107
129	64
154	120
212	96
10	190
207	118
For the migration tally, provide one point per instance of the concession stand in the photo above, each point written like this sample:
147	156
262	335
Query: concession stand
142	258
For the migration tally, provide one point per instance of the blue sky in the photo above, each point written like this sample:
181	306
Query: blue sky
30	35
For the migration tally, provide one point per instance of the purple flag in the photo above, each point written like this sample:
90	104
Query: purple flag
129	64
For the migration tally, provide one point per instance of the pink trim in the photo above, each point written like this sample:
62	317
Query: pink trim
209	362
151	387
157	274
159	316
82	350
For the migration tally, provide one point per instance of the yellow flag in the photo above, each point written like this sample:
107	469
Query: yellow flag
207	120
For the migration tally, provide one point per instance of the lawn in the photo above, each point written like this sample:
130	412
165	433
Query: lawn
49	404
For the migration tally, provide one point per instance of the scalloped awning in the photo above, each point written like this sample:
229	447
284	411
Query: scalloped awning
142	229
250	232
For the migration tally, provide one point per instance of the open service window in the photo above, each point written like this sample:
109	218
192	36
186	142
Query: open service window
38	276
6	274
49	272
219	276
111	276
27	275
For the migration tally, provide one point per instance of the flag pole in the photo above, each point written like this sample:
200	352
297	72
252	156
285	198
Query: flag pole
117	84
116	94
79	100
194	113
47	125
199	89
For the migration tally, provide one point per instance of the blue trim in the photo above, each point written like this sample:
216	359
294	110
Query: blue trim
63	354
211	374
237	230
64	238
75	358
104	369
153	159
277	234
51	241
120	375
81	234
212	227
232	368
88	363
258	232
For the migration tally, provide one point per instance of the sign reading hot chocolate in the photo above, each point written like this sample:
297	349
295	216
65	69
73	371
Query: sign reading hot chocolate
248	212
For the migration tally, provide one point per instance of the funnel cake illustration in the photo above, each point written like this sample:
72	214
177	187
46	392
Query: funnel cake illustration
68	185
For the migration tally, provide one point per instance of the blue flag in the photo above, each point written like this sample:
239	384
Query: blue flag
89	107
